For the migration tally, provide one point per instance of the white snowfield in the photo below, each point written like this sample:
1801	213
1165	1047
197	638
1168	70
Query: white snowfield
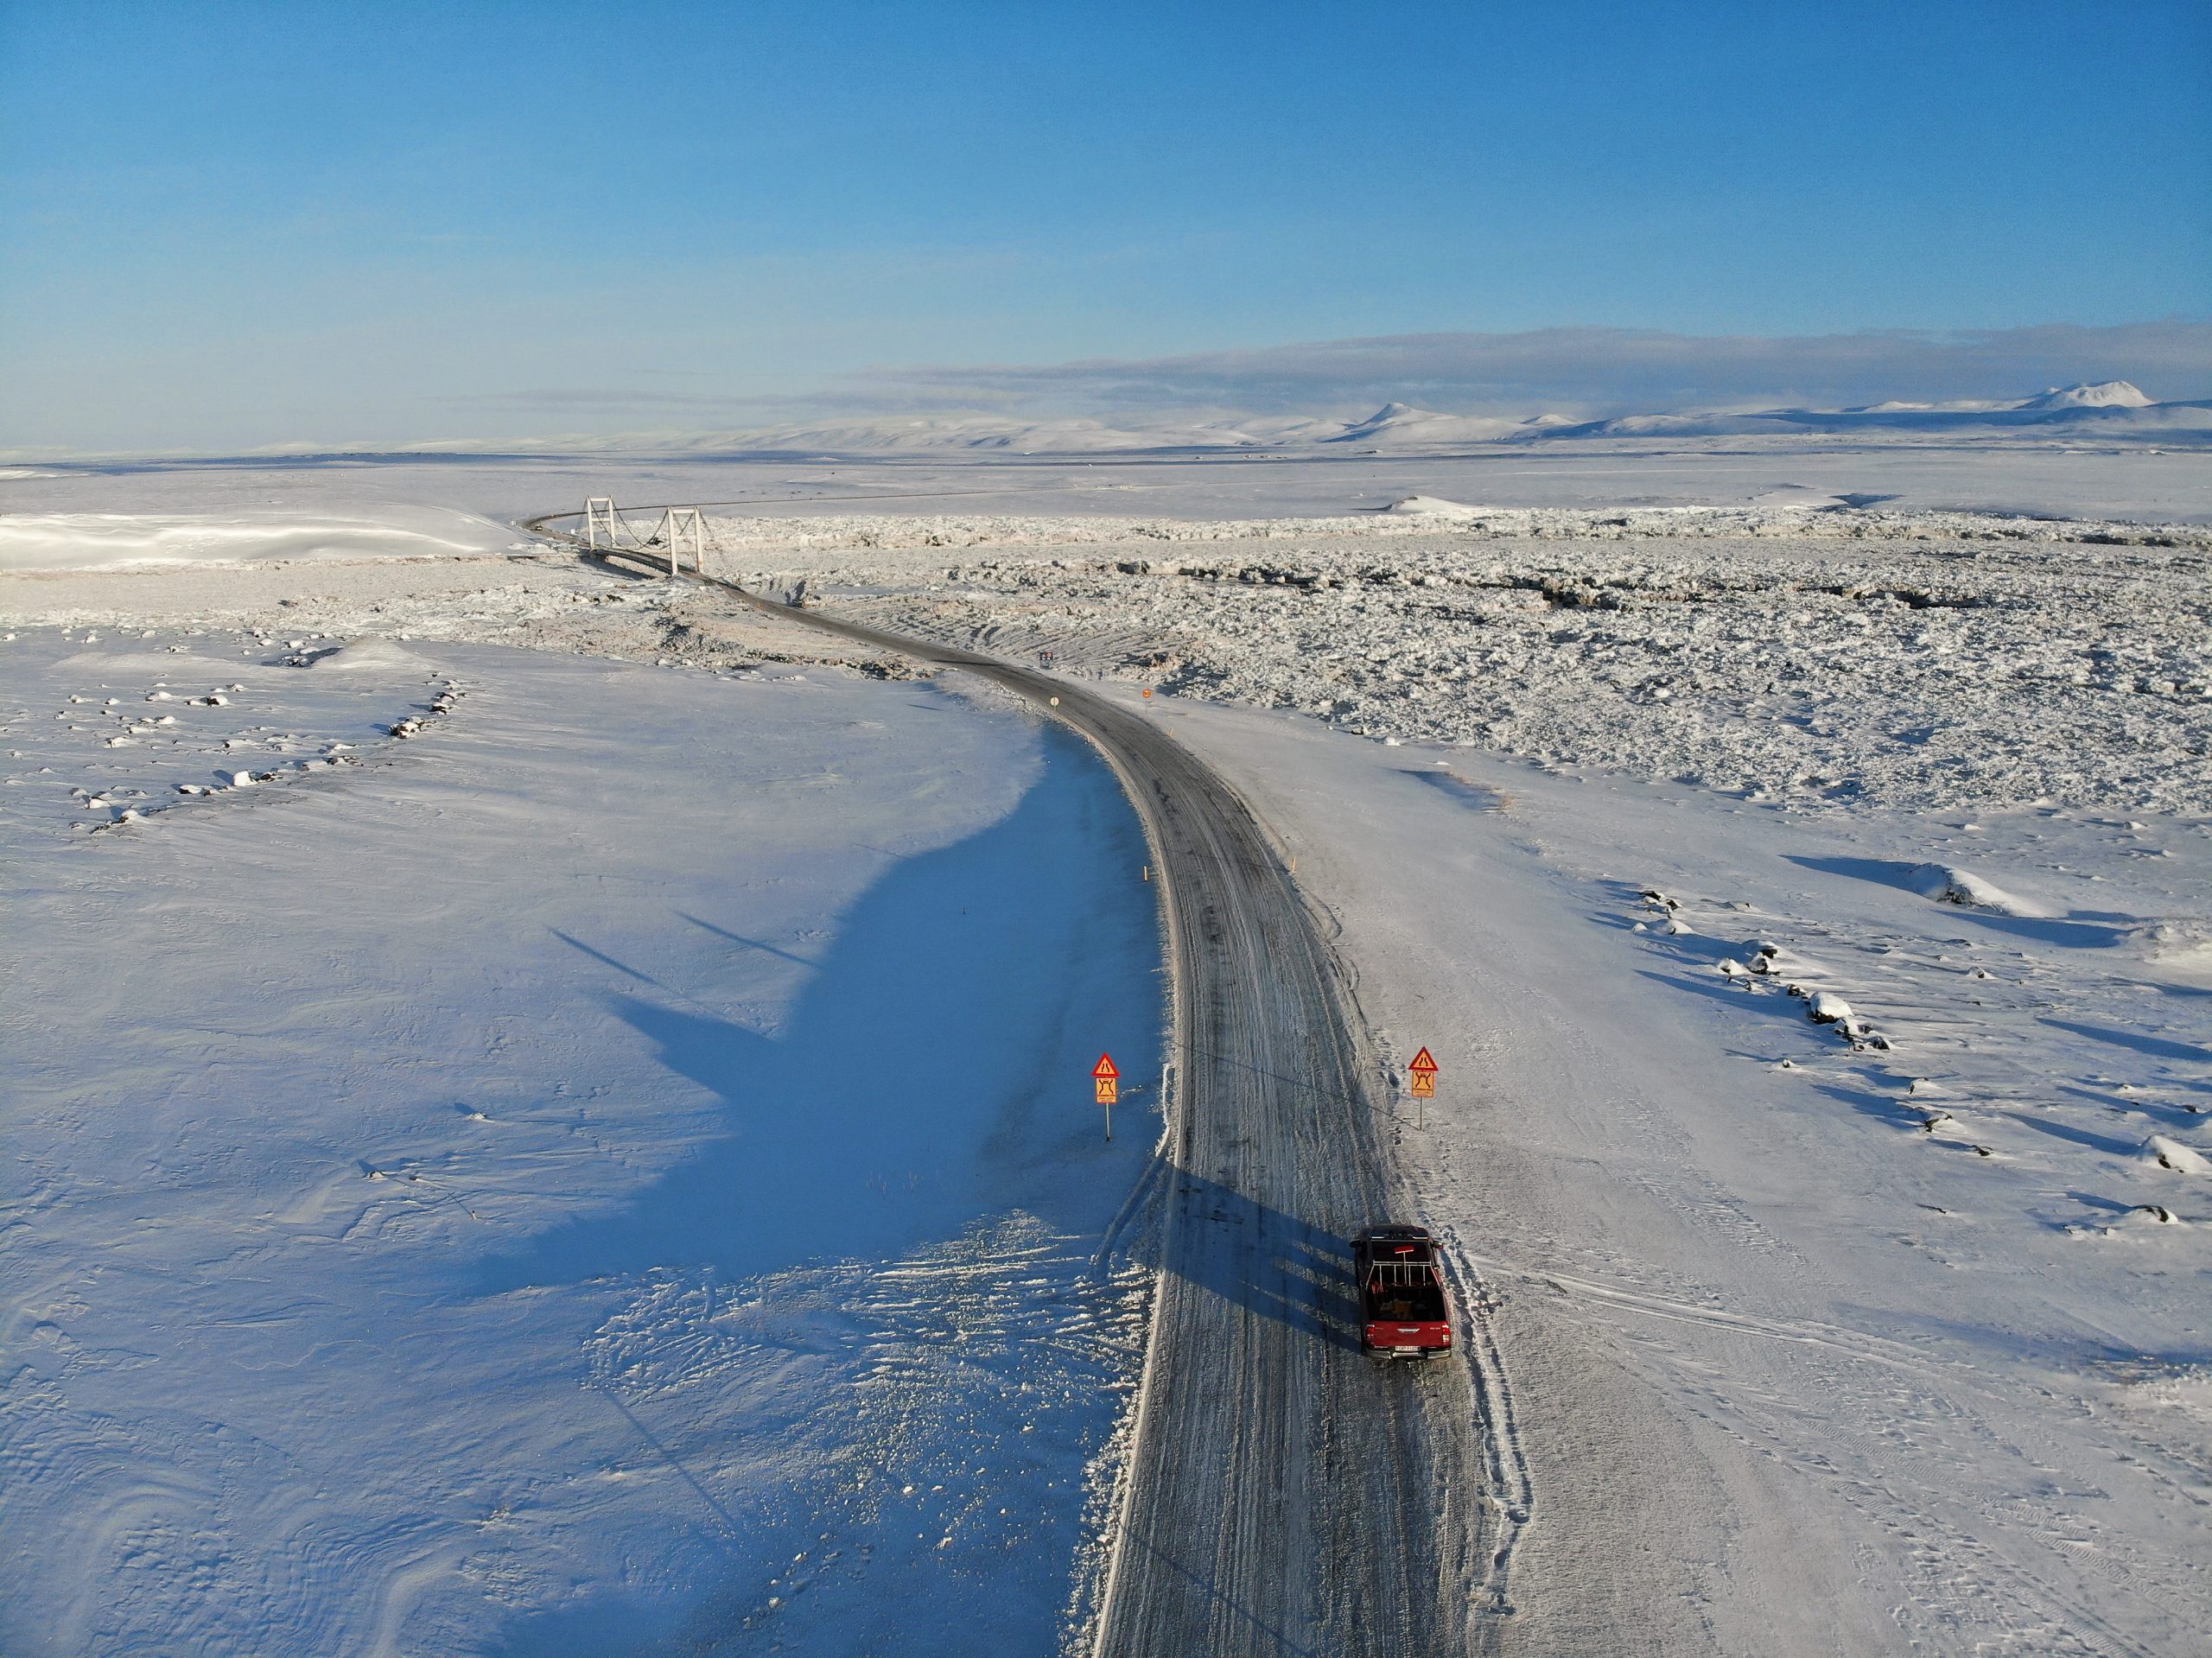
41	542
1807	903
613	1171
1814	1345
2022	476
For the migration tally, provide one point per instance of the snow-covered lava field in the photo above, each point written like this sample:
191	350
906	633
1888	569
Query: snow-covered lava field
1778	654
596	1173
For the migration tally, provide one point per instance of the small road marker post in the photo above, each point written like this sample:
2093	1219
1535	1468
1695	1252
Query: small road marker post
1423	1072
1107	1081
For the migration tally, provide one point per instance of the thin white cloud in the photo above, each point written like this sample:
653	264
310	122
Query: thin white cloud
1589	372
594	398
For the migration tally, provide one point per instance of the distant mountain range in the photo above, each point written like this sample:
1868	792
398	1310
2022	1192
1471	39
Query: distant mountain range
2109	411
2108	408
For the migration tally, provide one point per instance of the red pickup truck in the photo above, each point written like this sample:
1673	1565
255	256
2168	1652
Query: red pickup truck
1408	1312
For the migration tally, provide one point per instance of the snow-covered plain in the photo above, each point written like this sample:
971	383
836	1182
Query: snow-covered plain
1884	1333
1808	1345
123	541
613	1171
2081	480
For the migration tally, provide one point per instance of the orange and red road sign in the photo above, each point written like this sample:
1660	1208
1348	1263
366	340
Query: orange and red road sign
1107	1079
1424	1075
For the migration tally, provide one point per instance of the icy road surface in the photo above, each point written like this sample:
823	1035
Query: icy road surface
1283	1493
614	1168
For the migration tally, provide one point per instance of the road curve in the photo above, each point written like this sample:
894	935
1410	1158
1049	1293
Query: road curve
1285	1493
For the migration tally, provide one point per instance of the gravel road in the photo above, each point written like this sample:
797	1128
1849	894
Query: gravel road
1286	1494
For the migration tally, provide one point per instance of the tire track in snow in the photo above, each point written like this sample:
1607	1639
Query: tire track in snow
1792	1365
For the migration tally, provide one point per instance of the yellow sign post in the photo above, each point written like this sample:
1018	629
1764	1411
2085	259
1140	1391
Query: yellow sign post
1423	1072
1107	1080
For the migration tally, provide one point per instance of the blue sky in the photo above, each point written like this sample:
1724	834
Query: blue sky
237	225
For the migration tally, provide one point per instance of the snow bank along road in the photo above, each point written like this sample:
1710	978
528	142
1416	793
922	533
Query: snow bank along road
1284	1495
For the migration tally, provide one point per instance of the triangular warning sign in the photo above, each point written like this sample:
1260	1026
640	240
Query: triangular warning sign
1423	1063
1105	1066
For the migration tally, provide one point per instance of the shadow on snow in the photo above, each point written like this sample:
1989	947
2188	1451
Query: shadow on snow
934	1070
1906	877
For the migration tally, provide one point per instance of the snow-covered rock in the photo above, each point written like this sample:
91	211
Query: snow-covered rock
1948	884
2172	1154
1827	1008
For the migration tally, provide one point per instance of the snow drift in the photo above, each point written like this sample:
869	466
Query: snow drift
1432	507
373	657
54	541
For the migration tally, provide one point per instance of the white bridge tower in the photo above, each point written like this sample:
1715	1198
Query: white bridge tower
680	524
681	528
599	516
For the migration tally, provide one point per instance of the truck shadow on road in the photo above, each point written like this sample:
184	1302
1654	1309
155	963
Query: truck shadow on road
1269	1263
